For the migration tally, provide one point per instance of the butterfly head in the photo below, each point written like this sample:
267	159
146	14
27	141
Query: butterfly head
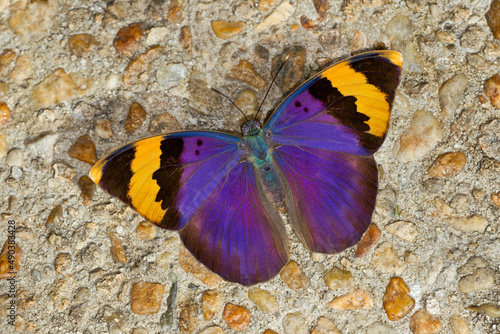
251	127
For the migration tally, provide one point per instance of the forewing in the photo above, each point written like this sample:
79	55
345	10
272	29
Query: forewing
234	235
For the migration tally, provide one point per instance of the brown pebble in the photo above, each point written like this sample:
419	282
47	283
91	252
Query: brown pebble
84	150
321	7
145	231
269	331
187	317
492	90
4	113
293	276
368	240
265	5
62	263
325	326
146	297
163	123
493	18
136	116
55	217
88	187
245	72
236	317
103	128
186	41
358	299
116	249
337	278
63	171
448	165
211	303
127	39
422	322
175	12
496	199
81	44
5	60
397	302
140	65
9	263
190	265
290	75
226	30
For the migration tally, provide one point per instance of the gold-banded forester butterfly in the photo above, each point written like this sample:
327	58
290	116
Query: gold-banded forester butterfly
312	158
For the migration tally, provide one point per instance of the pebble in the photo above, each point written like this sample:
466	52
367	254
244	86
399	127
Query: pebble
62	263
63	171
103	128
88	188
489	167
368	240
109	285
358	299
386	261
236	317
211	303
191	265
325	326
167	318
473	38
403	229
187	317
279	15
293	276
269	331
359	41
116	249
495	198
330	40
171	75
9	269
399	30
451	94
492	90
448	165
266	5
4	113
58	87
291	73
244	72
481	279
421	137
146	231
458	325
136	116
202	98
32	20
460	203
226	30
489	140
127	39
493	18
263	299
321	7
175	12
15	158
468	224
444	37
492	311
146	298
246	100
140	64
212	330
6	59
386	202
294	323
83	149
157	35
443	210
4	147
115	320
337	278
379	328
472	264
397	300
186	41
422	322
55	217
81	43
163	123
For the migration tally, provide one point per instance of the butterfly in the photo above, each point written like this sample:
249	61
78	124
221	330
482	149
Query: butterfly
226	195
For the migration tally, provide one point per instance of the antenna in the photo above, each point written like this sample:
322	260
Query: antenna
215	90
268	89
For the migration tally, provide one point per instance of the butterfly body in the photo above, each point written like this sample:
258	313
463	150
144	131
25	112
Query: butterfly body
313	158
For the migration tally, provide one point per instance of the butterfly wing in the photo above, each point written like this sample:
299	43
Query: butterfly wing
198	183
325	135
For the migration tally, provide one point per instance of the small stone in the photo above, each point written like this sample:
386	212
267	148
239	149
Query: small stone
202	98
386	261
460	203
293	276
321	7
117	252
10	256
247	102
330	40
325	326
63	263
109	285
397	301
146	298
496	199
84	150
444	37
442	208
103	128
358	42
4	147
31	20
358	299
187	317
226	30
291	73
492	311
171	75
472	264
368	240
295	323
186	41
211	303
468	224
403	229
63	171
212	330
55	217
386	202
489	140
88	189
81	44
269	331
279	15
481	279
422	322
136	116
163	123
157	35
115	320
399	30
175	12
492	90
236	317
448	165
15	158
337	278
263	299
379	328
458	325
451	94
245	72
190	265
421	137
127	39
6	59
493	18
145	231
265	5
473	38
140	64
